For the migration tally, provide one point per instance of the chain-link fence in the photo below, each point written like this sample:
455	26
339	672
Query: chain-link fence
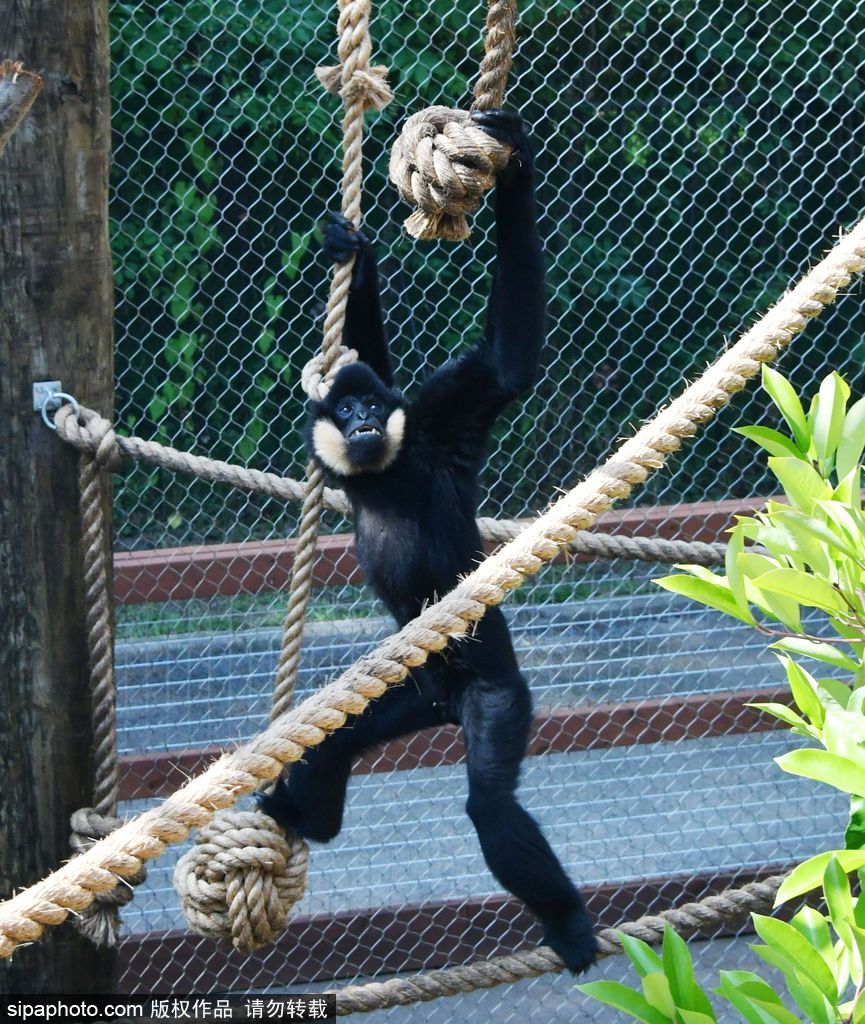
693	158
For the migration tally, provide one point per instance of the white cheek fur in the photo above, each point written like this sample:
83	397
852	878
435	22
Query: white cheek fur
331	447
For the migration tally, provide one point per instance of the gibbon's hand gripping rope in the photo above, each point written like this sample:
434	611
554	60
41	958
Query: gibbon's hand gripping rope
73	886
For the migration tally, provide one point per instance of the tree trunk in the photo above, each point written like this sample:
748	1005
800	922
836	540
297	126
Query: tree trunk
55	324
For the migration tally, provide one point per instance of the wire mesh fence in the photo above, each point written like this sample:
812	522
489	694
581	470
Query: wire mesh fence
693	158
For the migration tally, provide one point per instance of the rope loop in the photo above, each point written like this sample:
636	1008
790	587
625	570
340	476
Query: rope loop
316	381
89	432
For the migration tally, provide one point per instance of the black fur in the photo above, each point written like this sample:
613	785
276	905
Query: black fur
416	534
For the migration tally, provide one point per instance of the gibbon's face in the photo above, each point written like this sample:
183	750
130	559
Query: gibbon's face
359	426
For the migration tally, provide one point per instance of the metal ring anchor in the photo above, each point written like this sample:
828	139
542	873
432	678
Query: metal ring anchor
57	397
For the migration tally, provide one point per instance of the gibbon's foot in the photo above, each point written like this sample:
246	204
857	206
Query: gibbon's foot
573	939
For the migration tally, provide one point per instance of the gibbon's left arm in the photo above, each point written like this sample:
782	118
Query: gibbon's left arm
364	325
458	405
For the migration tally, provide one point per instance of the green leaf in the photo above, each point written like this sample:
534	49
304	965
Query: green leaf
858	1015
780	390
844	734
848	490
656	989
812	591
849	522
792	946
622	998
678	969
641	954
735	579
854	835
827	653
813	925
705	592
802	484
754	999
821	765
797	523
785	714
852	443
836	889
833	690
829	415
809	874
774	442
804	690
695	1017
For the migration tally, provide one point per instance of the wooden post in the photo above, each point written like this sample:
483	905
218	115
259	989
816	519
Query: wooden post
55	324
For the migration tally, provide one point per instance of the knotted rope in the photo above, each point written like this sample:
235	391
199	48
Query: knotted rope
244	874
442	163
100	922
73	886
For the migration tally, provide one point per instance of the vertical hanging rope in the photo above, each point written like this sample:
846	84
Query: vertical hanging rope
243	876
100	922
501	30
361	88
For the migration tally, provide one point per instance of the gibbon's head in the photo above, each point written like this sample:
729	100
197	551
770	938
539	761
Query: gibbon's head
358	426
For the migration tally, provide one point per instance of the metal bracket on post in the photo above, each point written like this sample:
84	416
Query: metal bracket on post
50	393
43	390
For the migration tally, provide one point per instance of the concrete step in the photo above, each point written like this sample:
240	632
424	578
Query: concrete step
201	690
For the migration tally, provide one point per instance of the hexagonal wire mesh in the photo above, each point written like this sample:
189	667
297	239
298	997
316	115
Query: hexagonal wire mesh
694	157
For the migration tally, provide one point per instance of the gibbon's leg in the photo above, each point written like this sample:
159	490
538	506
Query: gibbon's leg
495	715
311	800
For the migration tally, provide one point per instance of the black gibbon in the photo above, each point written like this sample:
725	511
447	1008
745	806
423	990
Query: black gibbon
410	469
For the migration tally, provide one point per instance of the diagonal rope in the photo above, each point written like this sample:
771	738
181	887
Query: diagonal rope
73	886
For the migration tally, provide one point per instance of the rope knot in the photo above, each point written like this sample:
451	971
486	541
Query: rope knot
100	921
316	381
90	432
443	163
240	880
369	85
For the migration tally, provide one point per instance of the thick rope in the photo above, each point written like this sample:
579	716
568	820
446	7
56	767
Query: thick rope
727	908
92	433
100	922
245	873
72	887
499	42
442	162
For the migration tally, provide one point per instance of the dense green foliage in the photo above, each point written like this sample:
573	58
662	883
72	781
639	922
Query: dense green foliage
811	555
693	156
